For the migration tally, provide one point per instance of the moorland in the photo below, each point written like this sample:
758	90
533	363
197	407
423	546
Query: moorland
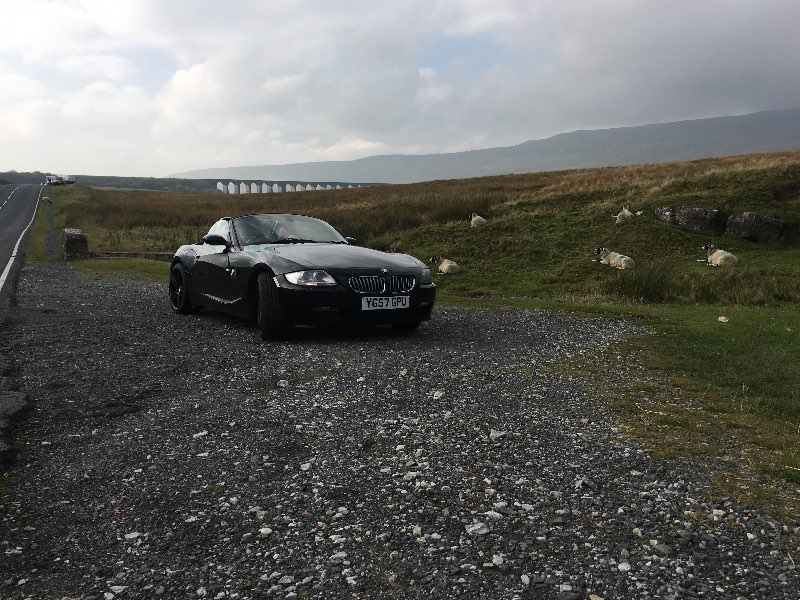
709	383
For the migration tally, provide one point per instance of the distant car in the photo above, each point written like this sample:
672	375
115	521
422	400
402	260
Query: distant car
286	270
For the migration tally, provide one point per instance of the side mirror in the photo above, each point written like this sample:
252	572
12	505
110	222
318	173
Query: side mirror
216	240
350	240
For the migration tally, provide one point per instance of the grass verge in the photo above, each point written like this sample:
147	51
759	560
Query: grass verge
721	394
123	269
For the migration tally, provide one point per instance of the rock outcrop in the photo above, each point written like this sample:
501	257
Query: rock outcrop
693	219
755	227
748	225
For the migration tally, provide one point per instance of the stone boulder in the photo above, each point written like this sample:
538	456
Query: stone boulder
75	245
693	219
755	227
665	213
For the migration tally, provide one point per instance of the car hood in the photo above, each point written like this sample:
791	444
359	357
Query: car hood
340	256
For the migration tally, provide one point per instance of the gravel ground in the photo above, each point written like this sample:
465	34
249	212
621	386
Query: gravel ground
181	457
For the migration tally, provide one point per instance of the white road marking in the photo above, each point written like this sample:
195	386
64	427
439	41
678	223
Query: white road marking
6	202
9	198
7	270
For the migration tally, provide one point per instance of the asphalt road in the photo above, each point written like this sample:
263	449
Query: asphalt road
17	207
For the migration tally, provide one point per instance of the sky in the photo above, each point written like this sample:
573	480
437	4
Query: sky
155	87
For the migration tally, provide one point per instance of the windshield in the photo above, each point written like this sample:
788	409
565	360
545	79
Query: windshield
259	230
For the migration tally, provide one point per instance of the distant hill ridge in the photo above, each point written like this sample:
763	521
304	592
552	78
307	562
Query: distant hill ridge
767	131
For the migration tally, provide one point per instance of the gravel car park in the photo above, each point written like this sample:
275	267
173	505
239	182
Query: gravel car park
162	459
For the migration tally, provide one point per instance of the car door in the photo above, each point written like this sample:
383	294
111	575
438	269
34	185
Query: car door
213	275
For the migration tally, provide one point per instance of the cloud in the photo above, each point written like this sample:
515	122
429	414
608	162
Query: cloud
432	92
93	66
197	83
15	88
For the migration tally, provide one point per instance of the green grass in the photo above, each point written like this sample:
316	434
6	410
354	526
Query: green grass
750	362
737	379
721	392
49	220
131	269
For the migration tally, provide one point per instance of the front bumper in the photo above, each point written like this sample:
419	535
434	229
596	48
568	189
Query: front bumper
337	305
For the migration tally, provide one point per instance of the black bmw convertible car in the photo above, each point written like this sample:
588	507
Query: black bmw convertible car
291	270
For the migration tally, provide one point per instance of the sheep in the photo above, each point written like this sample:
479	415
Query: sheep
614	259
445	265
625	214
720	258
475	220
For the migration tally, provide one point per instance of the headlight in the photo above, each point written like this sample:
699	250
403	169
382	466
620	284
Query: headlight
310	278
425	277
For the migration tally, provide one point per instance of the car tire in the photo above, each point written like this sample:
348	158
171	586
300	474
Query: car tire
179	293
406	326
269	313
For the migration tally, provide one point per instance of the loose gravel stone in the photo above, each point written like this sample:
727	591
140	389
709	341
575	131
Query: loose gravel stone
170	456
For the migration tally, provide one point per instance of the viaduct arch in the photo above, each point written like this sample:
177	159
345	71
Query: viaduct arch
261	186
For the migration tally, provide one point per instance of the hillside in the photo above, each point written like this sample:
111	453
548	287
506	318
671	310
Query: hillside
542	231
767	131
761	132
726	337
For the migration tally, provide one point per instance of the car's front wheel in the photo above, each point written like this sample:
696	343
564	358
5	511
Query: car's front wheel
269	312
179	290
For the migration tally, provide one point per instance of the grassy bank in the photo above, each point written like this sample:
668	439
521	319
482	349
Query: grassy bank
735	378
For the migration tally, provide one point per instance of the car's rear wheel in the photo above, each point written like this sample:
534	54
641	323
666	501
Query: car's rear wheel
269	312
179	290
407	326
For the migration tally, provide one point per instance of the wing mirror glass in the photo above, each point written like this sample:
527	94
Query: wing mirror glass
351	240
216	240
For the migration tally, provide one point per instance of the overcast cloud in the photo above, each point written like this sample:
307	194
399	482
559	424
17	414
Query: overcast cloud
153	87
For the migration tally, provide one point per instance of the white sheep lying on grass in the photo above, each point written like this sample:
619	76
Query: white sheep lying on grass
614	259
445	265
720	258
475	220
625	214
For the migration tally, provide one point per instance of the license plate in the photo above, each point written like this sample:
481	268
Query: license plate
384	302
